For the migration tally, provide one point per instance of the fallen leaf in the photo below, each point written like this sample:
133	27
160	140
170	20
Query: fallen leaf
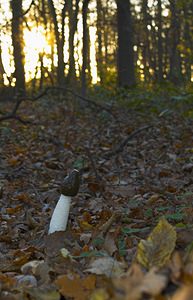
109	244
185	293
176	266
75	287
99	294
134	284
157	249
7	282
153	283
106	266
42	294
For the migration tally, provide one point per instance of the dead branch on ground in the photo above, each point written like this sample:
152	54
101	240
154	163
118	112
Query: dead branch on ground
68	90
13	113
121	146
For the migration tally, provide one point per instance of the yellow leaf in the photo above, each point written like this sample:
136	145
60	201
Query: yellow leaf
157	249
100	294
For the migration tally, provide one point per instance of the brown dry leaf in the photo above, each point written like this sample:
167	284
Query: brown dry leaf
109	244
187	274
185	293
7	282
135	283
106	266
42	294
154	198
176	266
184	237
13	161
188	215
153	283
95	187
127	286
14	210
54	242
75	287
157	249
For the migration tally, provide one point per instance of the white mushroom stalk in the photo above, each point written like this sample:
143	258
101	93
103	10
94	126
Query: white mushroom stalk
68	189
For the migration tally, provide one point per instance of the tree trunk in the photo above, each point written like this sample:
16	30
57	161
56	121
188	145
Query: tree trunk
85	46
73	20
126	69
2	70
188	42
59	40
145	39
18	45
160	47
175	74
99	53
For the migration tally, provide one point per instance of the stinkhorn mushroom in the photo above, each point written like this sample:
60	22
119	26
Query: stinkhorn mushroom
68	189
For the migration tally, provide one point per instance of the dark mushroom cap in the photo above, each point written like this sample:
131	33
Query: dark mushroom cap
71	183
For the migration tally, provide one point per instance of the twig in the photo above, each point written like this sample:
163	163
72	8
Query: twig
121	146
102	230
106	226
13	115
89	101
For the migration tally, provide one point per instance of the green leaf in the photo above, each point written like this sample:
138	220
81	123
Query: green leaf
79	163
122	247
93	253
149	213
98	241
127	230
178	216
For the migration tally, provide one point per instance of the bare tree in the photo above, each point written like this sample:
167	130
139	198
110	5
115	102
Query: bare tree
99	51
73	20
126	70
2	70
175	74
18	45
60	39
160	47
85	46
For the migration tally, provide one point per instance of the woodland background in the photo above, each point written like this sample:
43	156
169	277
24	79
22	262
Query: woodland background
104	87
135	42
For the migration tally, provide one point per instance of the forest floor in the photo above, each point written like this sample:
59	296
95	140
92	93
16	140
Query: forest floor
136	166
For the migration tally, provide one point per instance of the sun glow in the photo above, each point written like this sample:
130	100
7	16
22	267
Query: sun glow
40	48
35	46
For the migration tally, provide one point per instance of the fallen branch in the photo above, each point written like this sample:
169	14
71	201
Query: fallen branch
87	100
121	146
13	113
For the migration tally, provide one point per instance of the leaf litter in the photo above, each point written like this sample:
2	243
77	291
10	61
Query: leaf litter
136	255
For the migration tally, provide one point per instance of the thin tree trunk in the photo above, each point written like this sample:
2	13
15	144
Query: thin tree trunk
160	47
85	46
73	17
146	46
59	40
99	52
188	42
175	74
2	70
18	45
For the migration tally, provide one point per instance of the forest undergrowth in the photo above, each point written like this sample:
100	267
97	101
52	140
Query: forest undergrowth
130	233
